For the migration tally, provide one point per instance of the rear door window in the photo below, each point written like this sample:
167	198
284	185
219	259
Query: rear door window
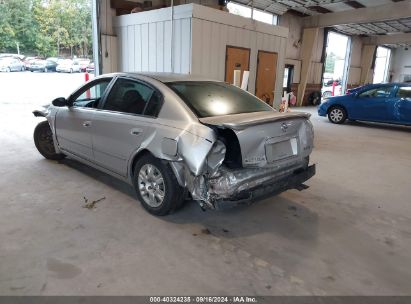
404	92
133	97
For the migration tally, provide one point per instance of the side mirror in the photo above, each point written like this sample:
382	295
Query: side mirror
60	102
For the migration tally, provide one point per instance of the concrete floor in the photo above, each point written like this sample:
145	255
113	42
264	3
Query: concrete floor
348	234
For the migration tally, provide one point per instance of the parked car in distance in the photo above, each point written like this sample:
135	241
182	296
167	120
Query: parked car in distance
55	59
43	66
11	64
327	88
83	64
28	61
90	68
177	137
18	56
387	103
68	66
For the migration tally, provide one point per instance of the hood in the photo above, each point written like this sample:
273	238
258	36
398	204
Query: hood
244	120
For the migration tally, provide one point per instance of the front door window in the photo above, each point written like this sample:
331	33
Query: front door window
90	96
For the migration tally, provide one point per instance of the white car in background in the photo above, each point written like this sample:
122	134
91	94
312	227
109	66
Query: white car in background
68	66
327	91
327	88
10	64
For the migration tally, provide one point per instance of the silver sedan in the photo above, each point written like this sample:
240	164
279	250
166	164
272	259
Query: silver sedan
177	137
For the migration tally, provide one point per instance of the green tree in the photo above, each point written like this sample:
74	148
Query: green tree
16	30
330	63
45	27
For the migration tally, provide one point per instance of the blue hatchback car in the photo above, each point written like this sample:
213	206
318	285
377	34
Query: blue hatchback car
388	103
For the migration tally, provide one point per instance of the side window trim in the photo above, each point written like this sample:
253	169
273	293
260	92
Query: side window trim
111	85
106	93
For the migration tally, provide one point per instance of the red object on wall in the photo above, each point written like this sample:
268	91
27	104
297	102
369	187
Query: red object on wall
334	85
86	78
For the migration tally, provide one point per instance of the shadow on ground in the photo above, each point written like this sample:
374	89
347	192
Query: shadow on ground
278	215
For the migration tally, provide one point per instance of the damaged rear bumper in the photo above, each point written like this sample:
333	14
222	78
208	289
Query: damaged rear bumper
266	189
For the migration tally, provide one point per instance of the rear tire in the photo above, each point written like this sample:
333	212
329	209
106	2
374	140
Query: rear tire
43	139
337	115
156	186
314	98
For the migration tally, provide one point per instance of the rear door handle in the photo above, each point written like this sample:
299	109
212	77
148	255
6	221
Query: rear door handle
136	131
87	124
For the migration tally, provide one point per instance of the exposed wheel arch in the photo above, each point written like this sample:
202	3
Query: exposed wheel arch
136	157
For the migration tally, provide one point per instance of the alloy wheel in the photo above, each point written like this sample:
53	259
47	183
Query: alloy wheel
336	115
151	185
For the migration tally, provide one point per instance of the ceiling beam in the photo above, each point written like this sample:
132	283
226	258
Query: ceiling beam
384	12
354	4
388	39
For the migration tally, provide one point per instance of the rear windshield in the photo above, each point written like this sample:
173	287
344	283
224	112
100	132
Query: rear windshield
208	99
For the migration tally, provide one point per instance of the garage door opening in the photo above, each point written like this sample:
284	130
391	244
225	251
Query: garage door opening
47	47
335	66
382	65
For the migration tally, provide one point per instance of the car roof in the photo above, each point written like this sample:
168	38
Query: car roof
387	84
169	77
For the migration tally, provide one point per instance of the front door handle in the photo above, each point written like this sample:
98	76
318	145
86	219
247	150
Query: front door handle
87	124
135	131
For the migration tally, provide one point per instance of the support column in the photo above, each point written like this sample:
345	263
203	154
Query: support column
307	49
367	55
96	36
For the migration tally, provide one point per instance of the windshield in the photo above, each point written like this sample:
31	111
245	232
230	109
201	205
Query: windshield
217	98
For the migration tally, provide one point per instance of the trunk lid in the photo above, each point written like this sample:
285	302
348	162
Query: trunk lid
265	138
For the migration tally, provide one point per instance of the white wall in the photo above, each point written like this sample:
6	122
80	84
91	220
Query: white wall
210	40
293	48
145	41
295	26
201	35
354	72
400	64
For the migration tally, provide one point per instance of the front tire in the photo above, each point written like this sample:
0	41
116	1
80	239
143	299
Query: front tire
337	115
156	186
43	139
